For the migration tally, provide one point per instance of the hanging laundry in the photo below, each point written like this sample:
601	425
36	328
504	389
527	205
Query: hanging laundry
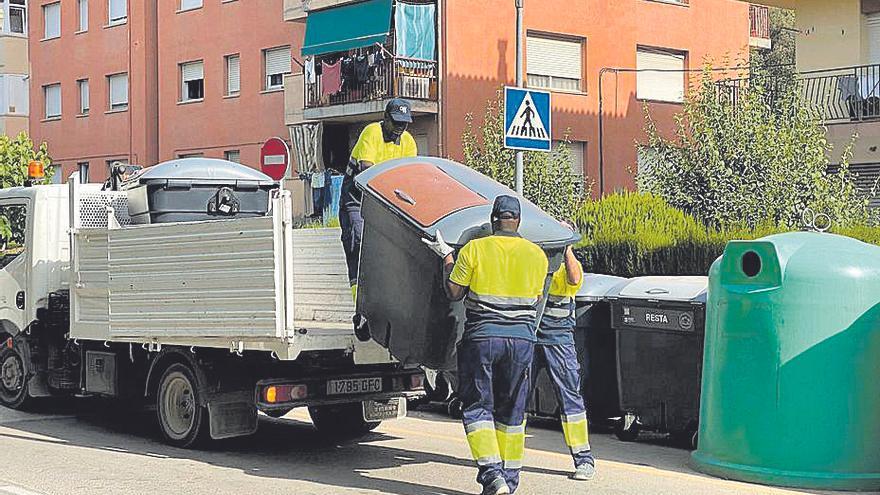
416	36
331	78
309	69
361	69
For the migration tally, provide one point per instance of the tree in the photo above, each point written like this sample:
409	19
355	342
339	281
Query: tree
757	158
549	180
15	155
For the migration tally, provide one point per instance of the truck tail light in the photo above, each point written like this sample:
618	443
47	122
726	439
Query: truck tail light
279	394
417	382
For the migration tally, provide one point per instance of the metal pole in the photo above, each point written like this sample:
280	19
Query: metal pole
519	84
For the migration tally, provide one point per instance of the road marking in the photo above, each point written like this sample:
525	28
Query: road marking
15	490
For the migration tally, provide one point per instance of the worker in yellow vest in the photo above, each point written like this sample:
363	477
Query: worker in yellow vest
378	143
501	278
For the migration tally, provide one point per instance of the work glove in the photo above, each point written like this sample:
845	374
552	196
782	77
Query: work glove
439	246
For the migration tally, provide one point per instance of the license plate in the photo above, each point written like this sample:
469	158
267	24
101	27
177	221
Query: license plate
354	386
380	410
661	319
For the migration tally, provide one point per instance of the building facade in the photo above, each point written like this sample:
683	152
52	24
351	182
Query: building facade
14	100
148	81
604	62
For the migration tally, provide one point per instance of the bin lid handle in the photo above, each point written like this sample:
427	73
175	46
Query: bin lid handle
404	197
657	290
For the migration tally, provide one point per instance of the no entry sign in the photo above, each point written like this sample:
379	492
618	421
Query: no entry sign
275	158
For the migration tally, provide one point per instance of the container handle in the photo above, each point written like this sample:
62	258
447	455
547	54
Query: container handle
658	290
404	197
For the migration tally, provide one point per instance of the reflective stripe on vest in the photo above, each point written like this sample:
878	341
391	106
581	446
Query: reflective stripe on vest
558	306
509	308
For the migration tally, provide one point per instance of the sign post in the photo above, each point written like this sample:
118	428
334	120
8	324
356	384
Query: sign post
520	4
527	121
275	158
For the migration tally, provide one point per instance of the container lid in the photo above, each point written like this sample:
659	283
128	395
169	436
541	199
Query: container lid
436	194
597	286
200	170
666	288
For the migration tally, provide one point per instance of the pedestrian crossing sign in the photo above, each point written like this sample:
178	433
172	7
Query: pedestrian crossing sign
527	119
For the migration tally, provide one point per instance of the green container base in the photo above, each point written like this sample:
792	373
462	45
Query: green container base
791	479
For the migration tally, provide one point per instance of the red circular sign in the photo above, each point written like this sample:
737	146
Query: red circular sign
275	158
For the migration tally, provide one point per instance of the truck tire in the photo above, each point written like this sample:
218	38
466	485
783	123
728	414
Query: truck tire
183	421
13	380
342	420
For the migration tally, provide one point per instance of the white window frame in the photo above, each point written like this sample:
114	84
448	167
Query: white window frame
5	26
9	103
651	84
46	107
186	5
114	21
82	86
119	105
83	169
52	30
82	16
568	50
270	71
195	66
233	85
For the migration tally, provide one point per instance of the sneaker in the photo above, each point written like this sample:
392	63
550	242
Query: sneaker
361	328
584	472
497	487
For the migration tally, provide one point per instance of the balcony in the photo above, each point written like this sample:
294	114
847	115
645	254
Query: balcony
759	27
843	95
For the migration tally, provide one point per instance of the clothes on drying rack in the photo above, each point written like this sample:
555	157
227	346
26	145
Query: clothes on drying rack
331	78
309	69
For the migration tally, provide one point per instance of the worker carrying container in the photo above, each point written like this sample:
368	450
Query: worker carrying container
792	365
400	282
194	189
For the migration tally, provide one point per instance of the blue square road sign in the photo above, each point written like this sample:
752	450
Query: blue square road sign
527	119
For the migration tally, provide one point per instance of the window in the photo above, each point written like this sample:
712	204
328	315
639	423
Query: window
118	84
13	244
661	75
645	157
190	4
576	150
14	94
233	156
52	20
83	85
83	7
190	155
83	168
233	75
13	16
117	12
554	62
277	63
52	97
192	86
58	174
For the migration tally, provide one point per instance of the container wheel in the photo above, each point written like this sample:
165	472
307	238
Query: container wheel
627	429
13	380
342	420
182	420
455	408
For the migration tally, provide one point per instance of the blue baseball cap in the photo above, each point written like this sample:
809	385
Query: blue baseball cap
506	207
399	110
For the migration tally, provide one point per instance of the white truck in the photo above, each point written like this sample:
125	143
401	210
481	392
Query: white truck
209	322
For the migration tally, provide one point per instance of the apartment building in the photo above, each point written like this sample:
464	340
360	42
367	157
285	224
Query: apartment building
838	60
147	81
13	67
602	61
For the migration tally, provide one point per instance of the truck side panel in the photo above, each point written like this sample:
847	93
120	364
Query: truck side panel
90	308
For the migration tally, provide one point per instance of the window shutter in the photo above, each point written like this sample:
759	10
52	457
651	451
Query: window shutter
190	4
118	10
193	71
278	61
83	15
873	28
84	96
52	20
660	86
16	95
119	90
554	57
233	74
53	100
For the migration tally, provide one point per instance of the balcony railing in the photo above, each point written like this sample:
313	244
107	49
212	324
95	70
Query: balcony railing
849	94
394	77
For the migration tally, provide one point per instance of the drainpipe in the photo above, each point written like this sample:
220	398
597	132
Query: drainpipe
602	132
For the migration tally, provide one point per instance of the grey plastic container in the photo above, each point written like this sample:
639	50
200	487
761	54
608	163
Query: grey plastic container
193	189
660	324
400	282
596	350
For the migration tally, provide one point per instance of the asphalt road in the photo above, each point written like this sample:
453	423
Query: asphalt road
87	448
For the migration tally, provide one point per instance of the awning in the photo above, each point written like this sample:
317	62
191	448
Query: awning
350	26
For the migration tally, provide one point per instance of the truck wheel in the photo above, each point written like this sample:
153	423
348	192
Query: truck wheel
342	420
183	422
13	380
